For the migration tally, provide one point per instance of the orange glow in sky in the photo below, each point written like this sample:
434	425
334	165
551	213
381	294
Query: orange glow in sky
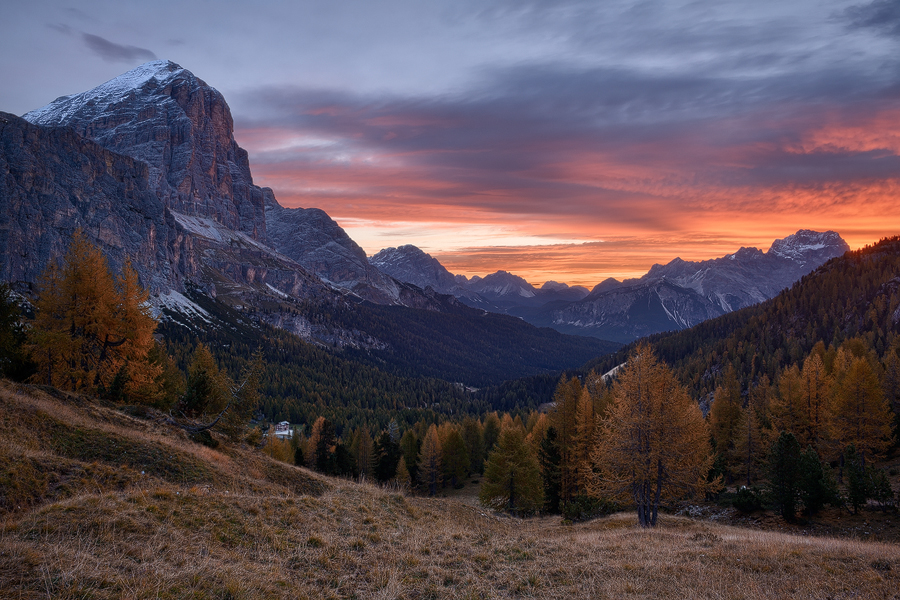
584	208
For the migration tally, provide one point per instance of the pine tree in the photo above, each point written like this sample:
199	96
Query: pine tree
724	417
208	390
816	485
387	454
549	459
13	362
473	436
858	484
430	462
409	446
784	471
512	477
749	451
654	440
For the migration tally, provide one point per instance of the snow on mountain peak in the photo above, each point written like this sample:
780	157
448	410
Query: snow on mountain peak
800	244
114	90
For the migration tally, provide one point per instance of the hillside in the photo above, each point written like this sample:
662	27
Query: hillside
99	503
414	377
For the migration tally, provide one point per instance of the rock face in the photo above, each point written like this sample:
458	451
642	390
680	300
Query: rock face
680	294
53	181
312	238
164	116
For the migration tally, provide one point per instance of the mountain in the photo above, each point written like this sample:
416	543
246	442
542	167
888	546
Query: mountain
164	116
146	165
499	292
681	294
312	238
854	296
669	297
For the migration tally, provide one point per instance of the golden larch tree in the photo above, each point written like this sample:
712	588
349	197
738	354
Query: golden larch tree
430	462
815	390
788	409
653	443
858	412
89	328
564	420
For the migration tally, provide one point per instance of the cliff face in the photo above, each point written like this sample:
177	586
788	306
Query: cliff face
164	116
53	181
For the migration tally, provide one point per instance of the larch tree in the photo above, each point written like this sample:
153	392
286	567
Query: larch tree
583	443
564	419
512	476
789	407
859	413
654	441
140	375
815	389
89	327
361	448
490	431
724	416
454	457
430	461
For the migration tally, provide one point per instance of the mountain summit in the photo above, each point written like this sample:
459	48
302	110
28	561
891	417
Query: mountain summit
165	116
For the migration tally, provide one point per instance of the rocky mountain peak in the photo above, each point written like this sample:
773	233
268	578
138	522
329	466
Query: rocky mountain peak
808	246
165	116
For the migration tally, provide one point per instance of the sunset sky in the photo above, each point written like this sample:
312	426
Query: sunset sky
562	140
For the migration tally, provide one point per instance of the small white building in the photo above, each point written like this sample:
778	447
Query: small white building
284	431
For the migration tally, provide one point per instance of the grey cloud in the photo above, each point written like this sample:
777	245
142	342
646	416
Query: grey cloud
881	15
112	52
522	125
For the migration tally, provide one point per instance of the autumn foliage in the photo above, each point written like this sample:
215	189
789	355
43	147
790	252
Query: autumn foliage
93	332
654	443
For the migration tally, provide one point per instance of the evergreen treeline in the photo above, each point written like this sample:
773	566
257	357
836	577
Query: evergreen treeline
457	343
302	382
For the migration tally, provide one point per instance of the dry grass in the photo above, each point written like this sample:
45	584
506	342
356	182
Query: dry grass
262	529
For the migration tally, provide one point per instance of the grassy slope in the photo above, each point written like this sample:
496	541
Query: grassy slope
85	523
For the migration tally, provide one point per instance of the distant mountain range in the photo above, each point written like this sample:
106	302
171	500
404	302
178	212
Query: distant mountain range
669	297
146	165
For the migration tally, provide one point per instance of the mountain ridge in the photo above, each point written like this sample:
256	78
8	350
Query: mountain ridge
675	295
